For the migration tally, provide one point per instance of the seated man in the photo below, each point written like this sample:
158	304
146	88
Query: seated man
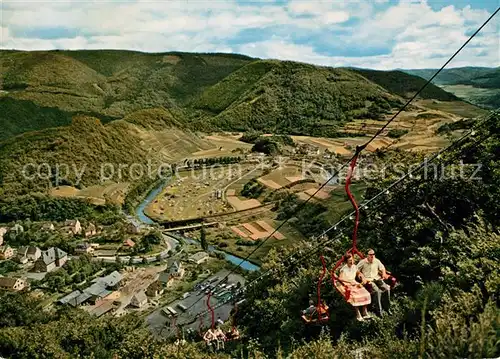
310	314
373	271
310	310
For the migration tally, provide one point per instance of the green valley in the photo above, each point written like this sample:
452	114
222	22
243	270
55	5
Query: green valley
136	189
478	85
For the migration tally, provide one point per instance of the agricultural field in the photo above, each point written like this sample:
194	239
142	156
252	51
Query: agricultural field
457	108
200	193
417	127
222	144
111	192
282	176
174	144
257	226
256	230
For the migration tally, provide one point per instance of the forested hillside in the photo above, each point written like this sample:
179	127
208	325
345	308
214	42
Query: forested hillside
405	85
46	89
296	99
28	162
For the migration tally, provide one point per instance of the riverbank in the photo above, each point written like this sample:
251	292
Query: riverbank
150	197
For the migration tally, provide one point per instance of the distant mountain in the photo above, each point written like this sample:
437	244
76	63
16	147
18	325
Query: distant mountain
455	76
45	89
405	84
478	85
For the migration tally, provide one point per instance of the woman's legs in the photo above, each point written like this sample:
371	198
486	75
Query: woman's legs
365	312
358	314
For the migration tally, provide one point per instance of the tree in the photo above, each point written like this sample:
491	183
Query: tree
154	237
203	238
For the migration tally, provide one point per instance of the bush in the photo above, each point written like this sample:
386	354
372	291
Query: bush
267	146
458	125
250	137
252	189
397	133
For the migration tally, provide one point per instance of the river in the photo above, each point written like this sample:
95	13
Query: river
139	212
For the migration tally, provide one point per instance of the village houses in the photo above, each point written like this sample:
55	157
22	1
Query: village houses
155	289
166	279
199	257
48	227
91	230
6	252
17	228
73	226
50	259
133	228
100	289
139	299
26	254
84	248
128	244
3	231
13	284
177	270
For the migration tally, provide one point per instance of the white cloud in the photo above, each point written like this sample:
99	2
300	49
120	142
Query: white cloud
415	34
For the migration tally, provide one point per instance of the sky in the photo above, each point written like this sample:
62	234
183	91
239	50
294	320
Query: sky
378	34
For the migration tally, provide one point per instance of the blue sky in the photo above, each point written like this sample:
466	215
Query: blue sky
381	34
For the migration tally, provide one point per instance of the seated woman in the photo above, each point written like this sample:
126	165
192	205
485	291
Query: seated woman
359	296
210	336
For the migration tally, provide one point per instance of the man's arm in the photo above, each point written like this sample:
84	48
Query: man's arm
206	336
381	268
361	266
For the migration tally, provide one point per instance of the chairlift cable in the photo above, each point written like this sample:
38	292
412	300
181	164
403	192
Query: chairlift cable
358	151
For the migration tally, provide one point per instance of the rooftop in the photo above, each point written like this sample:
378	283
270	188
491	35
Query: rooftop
199	255
110	280
51	254
140	296
8	282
